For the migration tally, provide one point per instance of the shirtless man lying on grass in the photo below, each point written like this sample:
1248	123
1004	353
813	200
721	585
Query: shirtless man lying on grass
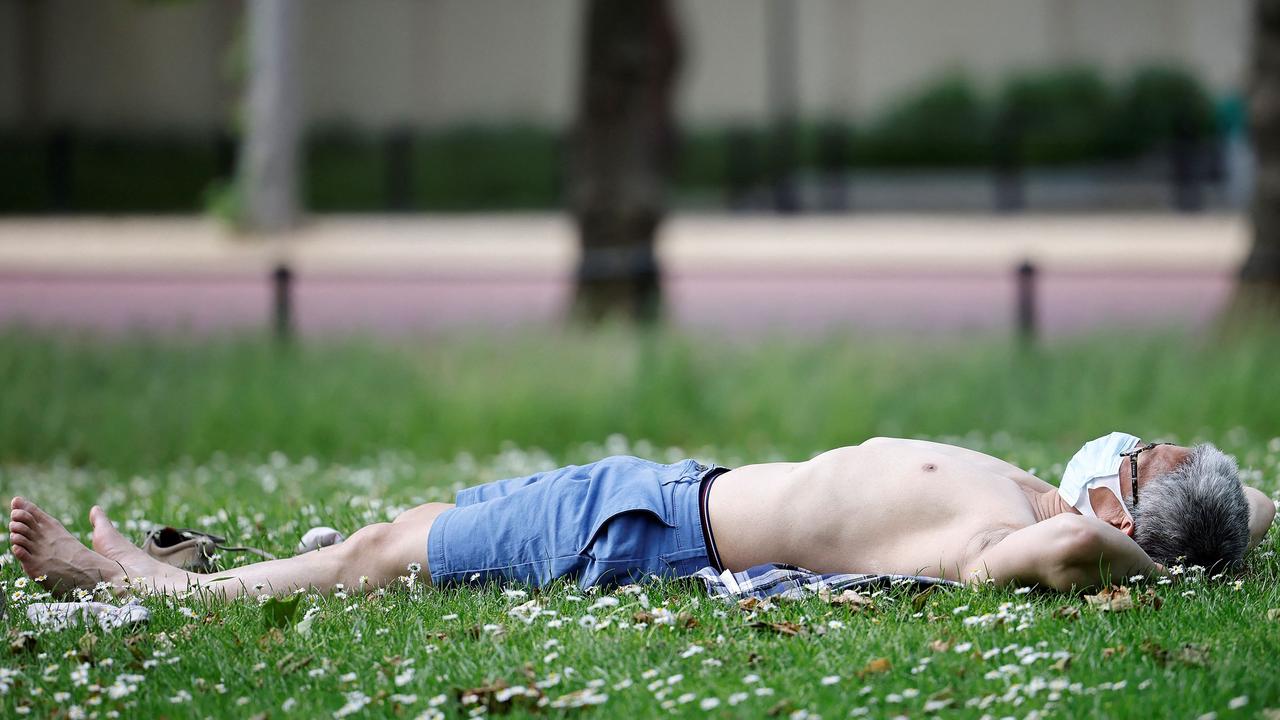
887	506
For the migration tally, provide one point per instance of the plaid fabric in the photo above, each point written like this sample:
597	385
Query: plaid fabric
790	582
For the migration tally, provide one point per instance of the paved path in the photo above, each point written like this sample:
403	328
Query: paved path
738	273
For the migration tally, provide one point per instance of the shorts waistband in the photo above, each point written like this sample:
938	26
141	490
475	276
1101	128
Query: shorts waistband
704	495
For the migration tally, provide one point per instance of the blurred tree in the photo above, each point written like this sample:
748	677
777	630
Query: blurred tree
621	155
1259	288
268	168
31	71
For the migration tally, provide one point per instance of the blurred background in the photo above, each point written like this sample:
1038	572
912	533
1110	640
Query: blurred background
805	182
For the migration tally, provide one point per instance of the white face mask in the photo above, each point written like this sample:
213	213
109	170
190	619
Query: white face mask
1095	465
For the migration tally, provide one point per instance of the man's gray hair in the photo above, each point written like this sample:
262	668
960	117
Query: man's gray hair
1195	514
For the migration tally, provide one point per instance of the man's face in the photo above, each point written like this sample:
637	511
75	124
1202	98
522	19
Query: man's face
1151	464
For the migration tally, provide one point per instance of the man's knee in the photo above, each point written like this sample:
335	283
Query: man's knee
427	512
367	542
382	551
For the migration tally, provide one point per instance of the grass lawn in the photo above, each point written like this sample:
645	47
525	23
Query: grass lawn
239	438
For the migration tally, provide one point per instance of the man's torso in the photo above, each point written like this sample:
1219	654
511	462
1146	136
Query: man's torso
886	506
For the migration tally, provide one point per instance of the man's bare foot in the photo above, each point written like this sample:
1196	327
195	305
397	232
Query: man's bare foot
46	550
109	543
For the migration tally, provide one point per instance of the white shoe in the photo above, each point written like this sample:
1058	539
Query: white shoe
318	537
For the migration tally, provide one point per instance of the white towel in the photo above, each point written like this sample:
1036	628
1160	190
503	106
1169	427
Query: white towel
60	615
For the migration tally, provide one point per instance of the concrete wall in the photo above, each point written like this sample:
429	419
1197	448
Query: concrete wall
379	63
388	62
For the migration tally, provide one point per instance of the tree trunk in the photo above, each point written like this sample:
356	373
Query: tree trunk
621	155
1258	293
31	75
269	149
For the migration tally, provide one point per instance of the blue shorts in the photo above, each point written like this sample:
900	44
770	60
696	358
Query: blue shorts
615	521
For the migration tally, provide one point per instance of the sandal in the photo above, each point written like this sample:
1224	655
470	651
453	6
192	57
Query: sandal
191	550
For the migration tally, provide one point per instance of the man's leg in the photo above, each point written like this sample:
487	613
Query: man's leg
380	553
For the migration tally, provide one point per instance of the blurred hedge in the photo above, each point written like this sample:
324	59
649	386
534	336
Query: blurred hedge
946	124
1048	117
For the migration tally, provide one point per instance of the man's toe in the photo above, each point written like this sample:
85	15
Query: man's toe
21	504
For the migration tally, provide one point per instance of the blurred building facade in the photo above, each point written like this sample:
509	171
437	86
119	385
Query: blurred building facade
169	66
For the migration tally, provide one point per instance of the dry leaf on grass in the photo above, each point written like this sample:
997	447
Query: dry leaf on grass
271	637
1113	599
134	644
848	598
875	665
939	701
787	628
1150	599
921	598
22	641
1273	614
1120	599
1067	612
1193	654
782	707
498	696
1189	653
292	663
940	646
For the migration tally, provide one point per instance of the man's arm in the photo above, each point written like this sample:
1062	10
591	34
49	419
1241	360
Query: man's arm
1262	512
1064	552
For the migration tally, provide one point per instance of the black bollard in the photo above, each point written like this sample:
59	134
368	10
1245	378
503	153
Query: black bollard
282	302
1026	310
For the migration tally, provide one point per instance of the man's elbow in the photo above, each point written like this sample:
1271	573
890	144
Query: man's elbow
1077	555
1262	513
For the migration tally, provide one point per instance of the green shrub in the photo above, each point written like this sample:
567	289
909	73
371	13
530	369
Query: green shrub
345	171
1159	103
487	168
23	183
703	157
167	174
1059	116
946	123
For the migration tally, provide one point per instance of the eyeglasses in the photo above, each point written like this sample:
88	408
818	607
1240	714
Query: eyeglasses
1133	465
